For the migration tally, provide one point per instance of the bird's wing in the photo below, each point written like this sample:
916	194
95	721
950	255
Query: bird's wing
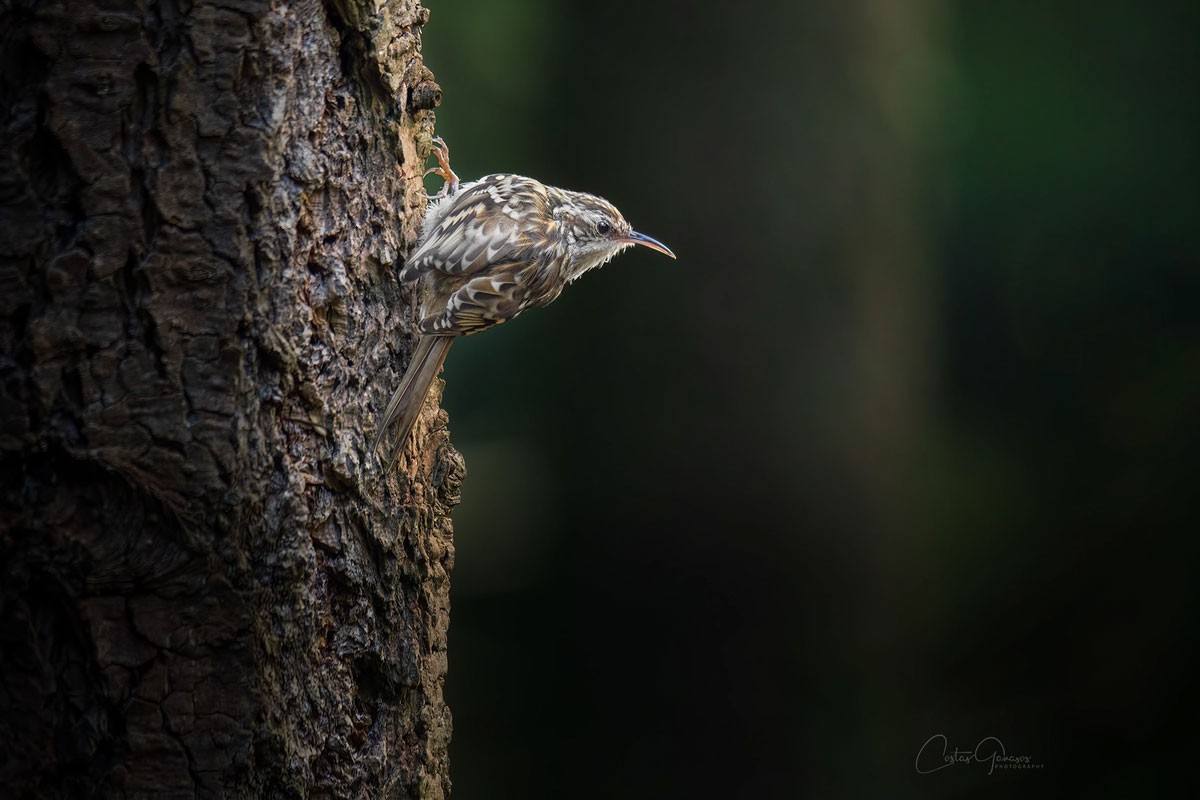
484	301
486	222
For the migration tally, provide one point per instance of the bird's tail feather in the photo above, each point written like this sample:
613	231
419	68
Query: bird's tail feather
409	398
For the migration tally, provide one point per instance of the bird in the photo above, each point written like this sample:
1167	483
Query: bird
490	249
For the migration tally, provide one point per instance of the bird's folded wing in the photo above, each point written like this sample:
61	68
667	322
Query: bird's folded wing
484	301
487	223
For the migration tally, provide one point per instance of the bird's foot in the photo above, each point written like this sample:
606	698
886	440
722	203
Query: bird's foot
450	186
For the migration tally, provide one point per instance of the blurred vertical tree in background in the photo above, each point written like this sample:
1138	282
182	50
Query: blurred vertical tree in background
899	446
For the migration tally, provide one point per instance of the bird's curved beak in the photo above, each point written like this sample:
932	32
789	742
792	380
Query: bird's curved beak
640	238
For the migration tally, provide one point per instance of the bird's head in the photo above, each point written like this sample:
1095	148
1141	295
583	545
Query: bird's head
594	232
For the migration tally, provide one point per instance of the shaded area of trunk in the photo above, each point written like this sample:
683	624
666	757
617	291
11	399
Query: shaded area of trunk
208	587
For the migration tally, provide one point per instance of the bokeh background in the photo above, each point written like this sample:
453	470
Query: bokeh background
905	442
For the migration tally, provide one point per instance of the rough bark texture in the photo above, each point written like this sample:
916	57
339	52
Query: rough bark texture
208	588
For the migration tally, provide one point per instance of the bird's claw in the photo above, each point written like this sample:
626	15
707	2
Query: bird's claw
442	152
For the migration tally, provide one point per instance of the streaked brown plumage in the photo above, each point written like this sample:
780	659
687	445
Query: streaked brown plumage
491	249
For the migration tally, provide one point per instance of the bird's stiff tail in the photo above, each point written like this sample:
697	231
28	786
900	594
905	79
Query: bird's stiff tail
406	403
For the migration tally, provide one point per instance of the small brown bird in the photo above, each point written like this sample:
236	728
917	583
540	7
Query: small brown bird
489	250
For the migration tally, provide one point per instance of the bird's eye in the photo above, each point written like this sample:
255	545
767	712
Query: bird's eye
603	228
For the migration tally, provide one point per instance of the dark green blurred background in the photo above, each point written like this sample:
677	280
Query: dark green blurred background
903	444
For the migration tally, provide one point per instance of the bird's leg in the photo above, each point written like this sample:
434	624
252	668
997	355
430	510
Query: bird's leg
442	151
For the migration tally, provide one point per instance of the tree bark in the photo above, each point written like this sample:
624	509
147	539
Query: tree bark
208	586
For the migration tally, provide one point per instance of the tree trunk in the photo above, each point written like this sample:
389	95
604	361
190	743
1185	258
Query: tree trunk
209	588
